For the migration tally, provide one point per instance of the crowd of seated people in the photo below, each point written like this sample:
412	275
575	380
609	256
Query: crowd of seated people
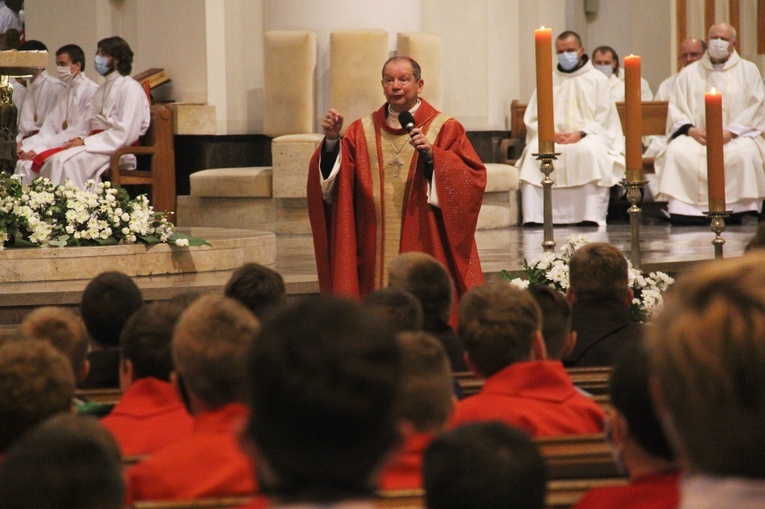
325	401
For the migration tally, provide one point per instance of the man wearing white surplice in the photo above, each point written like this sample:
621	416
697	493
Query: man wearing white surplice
588	135
70	117
682	167
119	116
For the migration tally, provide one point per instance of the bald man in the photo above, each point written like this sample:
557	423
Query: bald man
691	49
681	168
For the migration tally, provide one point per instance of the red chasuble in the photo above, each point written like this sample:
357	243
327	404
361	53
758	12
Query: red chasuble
375	215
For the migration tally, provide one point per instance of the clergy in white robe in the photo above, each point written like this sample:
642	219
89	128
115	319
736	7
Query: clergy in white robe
616	82
606	60
119	115
42	96
588	135
9	19
69	119
691	50
682	167
19	93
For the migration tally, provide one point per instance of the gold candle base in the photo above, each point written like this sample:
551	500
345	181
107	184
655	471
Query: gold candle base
634	196
547	155
718	226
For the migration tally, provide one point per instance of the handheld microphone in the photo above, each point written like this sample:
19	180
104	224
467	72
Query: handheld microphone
406	120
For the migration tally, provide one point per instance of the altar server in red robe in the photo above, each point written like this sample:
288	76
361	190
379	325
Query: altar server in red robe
425	403
638	441
210	346
382	190
150	413
501	328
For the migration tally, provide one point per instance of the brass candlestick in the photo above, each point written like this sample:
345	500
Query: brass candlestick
718	226
634	196
547	155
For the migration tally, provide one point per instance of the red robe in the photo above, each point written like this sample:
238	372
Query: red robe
537	397
209	463
404	470
345	232
148	416
654	491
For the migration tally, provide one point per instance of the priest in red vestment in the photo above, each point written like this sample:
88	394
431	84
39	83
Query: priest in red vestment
382	190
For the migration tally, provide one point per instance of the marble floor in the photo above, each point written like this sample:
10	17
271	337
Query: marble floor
662	246
671	249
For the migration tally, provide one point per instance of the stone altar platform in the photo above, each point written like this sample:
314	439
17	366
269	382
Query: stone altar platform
57	276
670	249
228	250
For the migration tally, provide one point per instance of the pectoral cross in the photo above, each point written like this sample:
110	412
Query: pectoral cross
397	165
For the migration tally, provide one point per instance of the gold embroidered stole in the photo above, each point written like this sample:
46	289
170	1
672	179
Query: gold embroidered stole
390	189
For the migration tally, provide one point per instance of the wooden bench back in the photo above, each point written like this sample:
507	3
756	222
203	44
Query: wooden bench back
654	123
654	118
592	380
561	494
108	395
578	457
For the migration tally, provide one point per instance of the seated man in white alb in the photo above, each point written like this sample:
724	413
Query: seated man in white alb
691	50
682	167
68	119
119	115
42	94
605	59
588	135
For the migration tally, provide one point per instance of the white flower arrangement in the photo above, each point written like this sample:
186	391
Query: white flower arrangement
551	269
59	216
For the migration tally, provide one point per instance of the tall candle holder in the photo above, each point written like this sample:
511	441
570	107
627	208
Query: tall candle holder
546	156
718	226
634	196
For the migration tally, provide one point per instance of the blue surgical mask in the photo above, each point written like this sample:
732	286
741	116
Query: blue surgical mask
568	60
605	69
101	63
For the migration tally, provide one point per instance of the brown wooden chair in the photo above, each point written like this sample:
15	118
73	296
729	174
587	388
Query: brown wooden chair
157	143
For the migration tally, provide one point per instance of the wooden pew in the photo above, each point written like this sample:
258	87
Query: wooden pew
566	493
578	457
207	503
592	380
575	465
654	123
107	395
157	144
561	494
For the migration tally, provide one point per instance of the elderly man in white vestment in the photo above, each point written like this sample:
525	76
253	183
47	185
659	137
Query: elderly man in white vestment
691	49
588	135
41	97
682	168
69	118
119	115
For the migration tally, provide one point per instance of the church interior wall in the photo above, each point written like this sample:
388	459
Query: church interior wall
640	28
213	49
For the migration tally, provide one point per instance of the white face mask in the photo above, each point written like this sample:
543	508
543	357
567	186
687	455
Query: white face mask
64	73
718	48
605	69
568	60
